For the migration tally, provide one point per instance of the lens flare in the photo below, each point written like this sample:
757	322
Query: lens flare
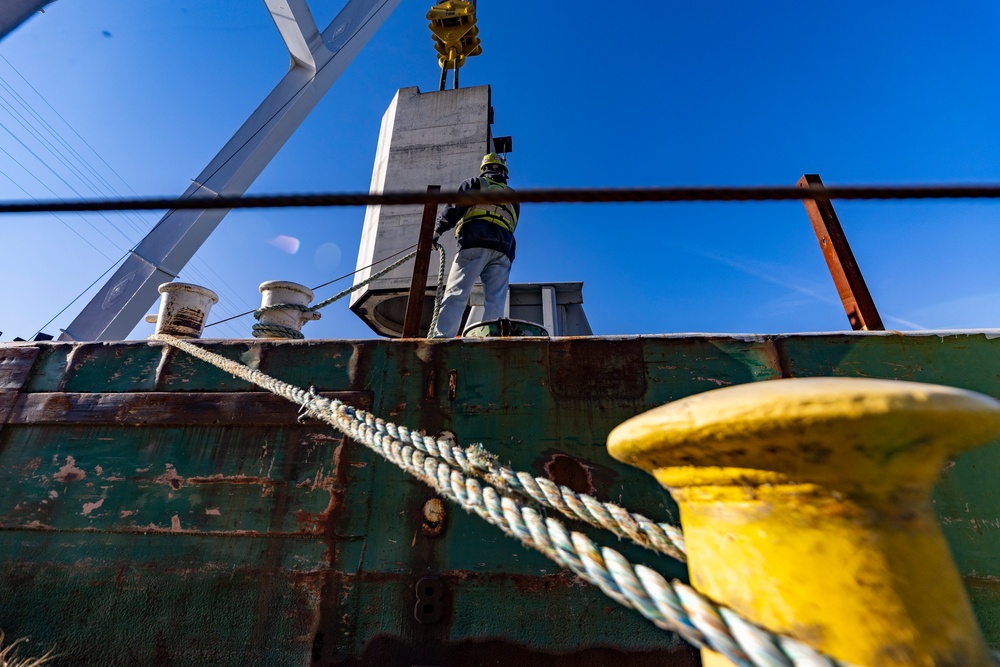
288	244
327	257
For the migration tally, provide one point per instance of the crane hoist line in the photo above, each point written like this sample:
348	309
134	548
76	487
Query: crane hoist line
456	37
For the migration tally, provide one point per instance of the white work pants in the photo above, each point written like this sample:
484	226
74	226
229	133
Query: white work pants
493	267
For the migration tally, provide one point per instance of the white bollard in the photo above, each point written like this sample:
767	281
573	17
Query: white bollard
184	309
282	292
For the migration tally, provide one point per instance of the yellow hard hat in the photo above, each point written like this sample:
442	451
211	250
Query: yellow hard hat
493	159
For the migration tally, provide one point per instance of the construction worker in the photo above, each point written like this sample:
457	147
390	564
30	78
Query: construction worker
486	244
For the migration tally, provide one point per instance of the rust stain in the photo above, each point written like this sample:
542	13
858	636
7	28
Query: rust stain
452	384
263	455
175	524
69	472
124	514
337	453
307	522
170	477
322	437
321	478
565	470
213	511
982	581
311	523
774	358
434	517
590	369
231	479
187	319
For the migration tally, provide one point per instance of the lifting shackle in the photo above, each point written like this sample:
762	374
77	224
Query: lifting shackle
456	37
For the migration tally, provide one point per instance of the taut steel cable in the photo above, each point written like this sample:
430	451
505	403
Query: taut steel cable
536	196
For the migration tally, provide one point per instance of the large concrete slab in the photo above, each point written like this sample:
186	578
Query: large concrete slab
436	138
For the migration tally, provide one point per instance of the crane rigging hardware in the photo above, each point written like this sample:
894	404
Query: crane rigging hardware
456	36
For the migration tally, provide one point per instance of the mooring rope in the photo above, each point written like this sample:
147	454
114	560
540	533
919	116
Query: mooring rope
439	292
663	538
281	331
669	605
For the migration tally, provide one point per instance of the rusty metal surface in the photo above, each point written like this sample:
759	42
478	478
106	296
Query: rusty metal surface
15	365
165	408
851	286
580	368
154	510
390	650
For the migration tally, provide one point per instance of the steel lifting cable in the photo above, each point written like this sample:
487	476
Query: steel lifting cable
671	606
261	330
329	282
536	196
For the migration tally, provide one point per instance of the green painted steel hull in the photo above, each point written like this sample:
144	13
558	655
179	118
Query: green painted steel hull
155	510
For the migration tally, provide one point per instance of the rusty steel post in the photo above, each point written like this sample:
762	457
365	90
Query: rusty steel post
854	294
418	283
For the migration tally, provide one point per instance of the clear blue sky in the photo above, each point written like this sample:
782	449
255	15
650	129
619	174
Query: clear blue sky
594	94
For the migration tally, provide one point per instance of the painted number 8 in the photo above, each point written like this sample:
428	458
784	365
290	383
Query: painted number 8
430	600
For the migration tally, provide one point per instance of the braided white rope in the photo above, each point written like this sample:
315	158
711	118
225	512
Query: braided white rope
439	292
669	605
375	276
275	331
661	537
475	460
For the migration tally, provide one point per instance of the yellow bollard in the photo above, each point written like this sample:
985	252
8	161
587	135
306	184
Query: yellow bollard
806	508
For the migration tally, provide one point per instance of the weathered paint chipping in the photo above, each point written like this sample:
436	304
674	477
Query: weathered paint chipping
322	569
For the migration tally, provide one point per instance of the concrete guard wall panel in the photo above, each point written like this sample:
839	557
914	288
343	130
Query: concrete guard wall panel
435	138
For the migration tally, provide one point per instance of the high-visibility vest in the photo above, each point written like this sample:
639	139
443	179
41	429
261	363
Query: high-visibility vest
499	214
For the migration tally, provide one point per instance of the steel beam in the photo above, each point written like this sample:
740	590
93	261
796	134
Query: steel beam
317	61
14	12
851	287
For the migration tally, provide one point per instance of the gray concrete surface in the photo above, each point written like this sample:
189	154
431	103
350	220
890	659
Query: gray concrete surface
436	138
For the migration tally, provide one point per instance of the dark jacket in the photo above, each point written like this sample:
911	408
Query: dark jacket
478	233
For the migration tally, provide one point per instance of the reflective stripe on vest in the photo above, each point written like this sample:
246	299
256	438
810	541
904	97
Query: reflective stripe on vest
498	214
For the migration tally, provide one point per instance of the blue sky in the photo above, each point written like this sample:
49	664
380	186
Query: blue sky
669	93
